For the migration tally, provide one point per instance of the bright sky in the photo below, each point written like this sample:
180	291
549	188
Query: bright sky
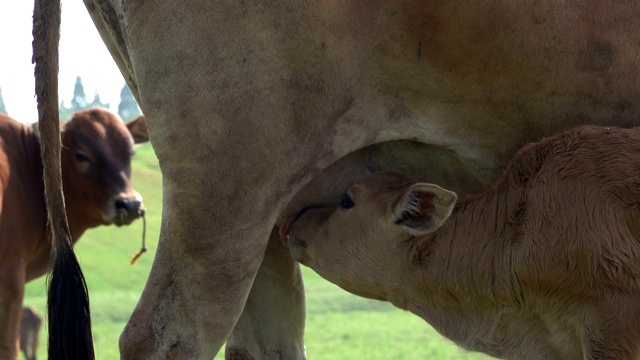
91	60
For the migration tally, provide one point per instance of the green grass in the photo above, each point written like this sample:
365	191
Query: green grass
339	325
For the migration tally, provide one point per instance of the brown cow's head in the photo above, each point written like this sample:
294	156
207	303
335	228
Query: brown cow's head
96	165
361	243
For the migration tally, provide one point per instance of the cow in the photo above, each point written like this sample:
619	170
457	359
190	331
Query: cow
543	265
96	169
249	102
30	323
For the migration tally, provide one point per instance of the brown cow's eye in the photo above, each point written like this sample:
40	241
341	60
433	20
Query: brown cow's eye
346	202
81	157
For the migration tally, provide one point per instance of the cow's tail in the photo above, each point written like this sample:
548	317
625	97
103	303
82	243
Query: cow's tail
68	300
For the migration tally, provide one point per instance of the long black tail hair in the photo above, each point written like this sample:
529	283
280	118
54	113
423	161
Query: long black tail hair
69	317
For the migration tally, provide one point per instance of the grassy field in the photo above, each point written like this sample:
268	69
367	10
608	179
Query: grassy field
339	325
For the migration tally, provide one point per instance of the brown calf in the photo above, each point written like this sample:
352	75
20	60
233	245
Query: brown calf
544	265
96	169
30	332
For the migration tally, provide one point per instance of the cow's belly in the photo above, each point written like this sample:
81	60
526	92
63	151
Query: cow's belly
272	110
426	162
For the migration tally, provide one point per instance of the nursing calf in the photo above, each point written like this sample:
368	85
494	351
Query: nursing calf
544	265
96	169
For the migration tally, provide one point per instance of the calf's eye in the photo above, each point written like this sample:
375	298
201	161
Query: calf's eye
346	202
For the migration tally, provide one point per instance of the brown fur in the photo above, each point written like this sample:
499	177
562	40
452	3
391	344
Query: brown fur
30	323
545	264
96	169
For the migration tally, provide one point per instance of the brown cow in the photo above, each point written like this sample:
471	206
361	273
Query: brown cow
544	265
96	167
30	332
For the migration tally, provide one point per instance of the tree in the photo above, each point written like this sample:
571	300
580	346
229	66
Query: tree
65	112
128	108
79	100
97	103
3	109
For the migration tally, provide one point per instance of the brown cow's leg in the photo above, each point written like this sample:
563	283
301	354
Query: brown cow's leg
11	294
29	333
272	323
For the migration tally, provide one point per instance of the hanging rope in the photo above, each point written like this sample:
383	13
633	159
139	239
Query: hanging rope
143	249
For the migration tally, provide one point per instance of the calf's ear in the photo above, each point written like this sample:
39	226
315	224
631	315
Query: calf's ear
423	208
138	129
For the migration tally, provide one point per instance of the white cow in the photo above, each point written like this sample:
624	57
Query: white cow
247	102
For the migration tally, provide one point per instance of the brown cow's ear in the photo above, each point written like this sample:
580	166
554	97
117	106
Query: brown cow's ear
423	208
138	129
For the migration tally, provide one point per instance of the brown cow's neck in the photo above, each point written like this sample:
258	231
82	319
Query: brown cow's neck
29	169
76	230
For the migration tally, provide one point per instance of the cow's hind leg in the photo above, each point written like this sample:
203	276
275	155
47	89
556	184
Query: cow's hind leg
272	323
11	294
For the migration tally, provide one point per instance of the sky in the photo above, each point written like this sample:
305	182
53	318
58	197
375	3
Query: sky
91	60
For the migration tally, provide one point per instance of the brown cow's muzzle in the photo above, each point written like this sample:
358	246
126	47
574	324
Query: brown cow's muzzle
127	210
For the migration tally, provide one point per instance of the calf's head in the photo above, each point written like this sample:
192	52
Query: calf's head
96	165
361	244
